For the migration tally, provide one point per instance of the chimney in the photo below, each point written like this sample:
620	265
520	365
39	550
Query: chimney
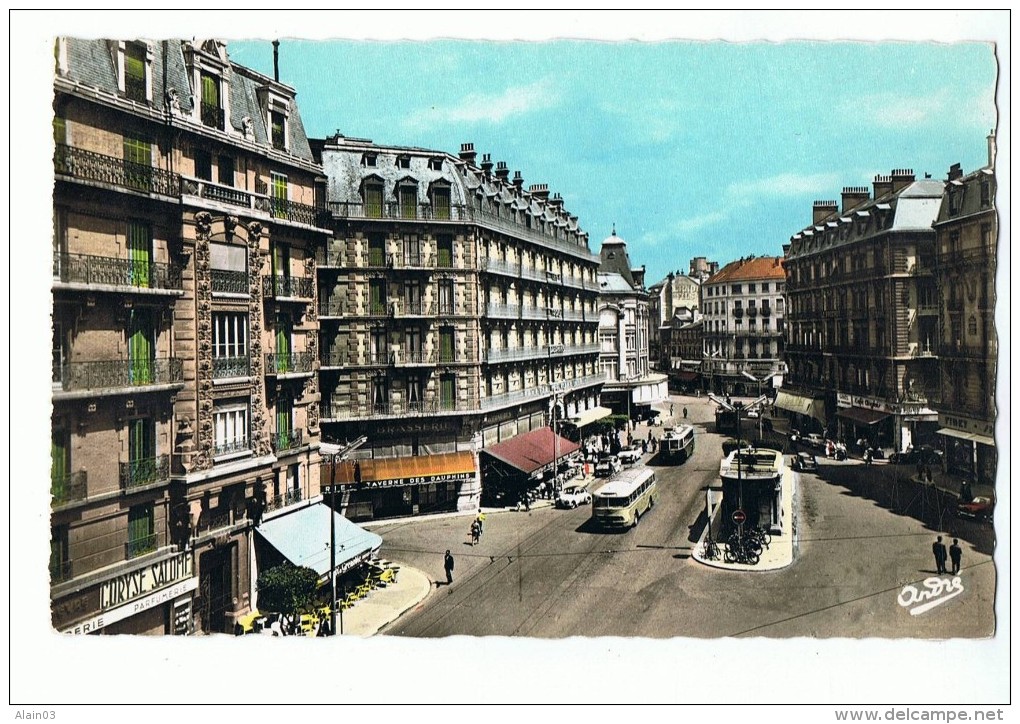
901	178
502	172
467	152
486	164
786	250
991	149
882	185
540	191
955	172
854	196
823	210
276	60
518	180
556	201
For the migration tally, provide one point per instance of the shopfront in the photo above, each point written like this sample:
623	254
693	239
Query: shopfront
806	412
512	468
969	446
892	426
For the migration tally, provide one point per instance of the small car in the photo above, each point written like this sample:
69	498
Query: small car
925	454
805	462
630	454
607	466
573	496
814	440
981	505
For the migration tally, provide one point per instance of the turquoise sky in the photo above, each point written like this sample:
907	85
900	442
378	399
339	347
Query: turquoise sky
713	149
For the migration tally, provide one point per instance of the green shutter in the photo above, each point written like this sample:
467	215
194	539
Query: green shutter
446	396
60	463
140	348
279	192
138	164
283	424
282	344
210	91
141	526
139	245
446	346
373	201
408	202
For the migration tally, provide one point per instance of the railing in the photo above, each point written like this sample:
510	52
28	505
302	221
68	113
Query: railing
212	116
536	274
210	521
287	440
72	376
396	210
228	447
226	367
289	497
529	312
502	311
353	359
499	266
738	312
145	471
69	488
332	258
229	282
61	571
766	311
88	269
134	88
297	212
91	166
752	312
138	546
280	363
412	260
277	287
221	193
512	354
339	411
418	357
414	309
331	308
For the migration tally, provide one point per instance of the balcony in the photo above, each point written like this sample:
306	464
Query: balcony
416	357
212	116
502	311
231	367
284	210
289	363
280	287
289	497
500	266
416	308
221	193
226	281
61	571
539	313
231	447
752	312
121	274
332	309
738	312
69	488
412	260
397	211
146	471
211	521
115	376
140	546
286	440
332	258
766	312
109	170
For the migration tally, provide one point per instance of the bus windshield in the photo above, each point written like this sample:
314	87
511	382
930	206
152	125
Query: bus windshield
616	502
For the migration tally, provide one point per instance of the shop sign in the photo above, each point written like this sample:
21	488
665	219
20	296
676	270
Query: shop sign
967	424
870	403
142	604
419	480
143	581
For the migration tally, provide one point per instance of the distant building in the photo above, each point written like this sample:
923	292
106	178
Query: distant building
631	387
966	237
665	297
742	328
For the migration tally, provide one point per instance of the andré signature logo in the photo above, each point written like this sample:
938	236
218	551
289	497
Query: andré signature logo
933	592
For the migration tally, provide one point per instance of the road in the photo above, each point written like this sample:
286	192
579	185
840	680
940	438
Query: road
547	574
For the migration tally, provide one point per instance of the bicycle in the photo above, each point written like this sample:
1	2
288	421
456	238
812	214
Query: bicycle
710	551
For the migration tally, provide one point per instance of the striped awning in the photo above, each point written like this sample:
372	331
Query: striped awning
394	472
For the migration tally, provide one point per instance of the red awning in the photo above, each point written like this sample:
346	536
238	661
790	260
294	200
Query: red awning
532	452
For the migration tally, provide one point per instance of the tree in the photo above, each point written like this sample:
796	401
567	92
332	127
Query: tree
287	589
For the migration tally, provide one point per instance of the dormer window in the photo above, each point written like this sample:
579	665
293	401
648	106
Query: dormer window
369	159
403	161
436	164
278	123
211	108
207	67
134	61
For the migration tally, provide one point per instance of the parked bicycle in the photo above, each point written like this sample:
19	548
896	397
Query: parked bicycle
710	550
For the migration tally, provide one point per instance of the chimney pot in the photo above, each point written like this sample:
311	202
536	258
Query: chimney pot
467	152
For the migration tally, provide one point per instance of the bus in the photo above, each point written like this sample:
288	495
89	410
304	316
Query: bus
678	443
622	502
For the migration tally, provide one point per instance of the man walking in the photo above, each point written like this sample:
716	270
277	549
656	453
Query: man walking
938	548
448	565
955	554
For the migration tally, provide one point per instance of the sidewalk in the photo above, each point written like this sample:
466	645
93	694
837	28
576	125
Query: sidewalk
385	605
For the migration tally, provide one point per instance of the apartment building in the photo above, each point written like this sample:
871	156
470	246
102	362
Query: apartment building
458	310
743	313
863	314
676	291
185	400
966	341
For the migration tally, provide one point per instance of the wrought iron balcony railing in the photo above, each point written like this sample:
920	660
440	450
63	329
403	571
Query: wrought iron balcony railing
227	367
278	287
221	193
229	282
69	488
289	497
61	571
287	440
299	213
417	308
140	546
134	88
112	374
415	357
212	116
88	269
91	166
228	447
411	260
282	363
147	471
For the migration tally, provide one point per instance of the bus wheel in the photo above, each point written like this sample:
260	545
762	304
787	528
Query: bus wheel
637	517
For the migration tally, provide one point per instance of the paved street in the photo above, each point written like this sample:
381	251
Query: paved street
546	574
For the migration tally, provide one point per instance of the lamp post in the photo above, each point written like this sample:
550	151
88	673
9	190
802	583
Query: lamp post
336	457
737	407
759	380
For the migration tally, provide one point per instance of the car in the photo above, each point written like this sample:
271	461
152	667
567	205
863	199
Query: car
805	462
630	454
981	505
607	466
925	455
814	440
752	414
573	496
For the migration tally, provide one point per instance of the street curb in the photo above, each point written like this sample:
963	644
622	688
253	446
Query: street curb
396	613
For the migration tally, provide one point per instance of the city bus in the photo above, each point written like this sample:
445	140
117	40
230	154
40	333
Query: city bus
678	443
622	502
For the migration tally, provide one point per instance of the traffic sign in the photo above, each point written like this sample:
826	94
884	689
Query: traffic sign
739	516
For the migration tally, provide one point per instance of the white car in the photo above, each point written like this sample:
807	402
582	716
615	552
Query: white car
814	440
573	496
607	466
630	454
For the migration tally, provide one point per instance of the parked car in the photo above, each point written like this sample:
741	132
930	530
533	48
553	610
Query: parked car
925	455
805	462
814	440
630	454
608	465
573	496
981	505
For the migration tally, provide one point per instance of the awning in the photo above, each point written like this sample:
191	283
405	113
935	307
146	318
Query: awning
533	452
587	417
971	436
801	404
394	472
861	415
686	376
302	537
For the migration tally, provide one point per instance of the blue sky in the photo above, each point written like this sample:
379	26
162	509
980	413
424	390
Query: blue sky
713	149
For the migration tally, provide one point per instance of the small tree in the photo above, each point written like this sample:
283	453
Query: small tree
287	589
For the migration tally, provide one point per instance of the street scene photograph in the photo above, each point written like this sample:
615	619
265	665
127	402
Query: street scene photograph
473	361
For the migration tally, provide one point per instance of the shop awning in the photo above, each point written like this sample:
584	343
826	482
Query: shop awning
394	472
533	452
801	404
587	417
686	376
861	415
971	436
302	537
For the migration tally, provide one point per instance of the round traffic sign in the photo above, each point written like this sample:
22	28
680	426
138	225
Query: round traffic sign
739	516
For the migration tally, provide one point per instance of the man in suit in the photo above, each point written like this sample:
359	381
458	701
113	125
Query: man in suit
955	554
938	548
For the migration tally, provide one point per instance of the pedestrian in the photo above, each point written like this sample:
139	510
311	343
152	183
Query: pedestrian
938	548
867	456
685	413
481	522
475	533
671	409
448	566
955	554
527	502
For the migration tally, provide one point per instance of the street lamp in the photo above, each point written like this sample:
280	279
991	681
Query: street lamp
336	457
759	380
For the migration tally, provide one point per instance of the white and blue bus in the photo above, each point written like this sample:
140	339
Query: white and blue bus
621	502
